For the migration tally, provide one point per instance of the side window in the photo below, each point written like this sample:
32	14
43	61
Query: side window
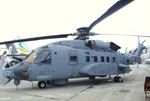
107	59
128	61
87	58
95	58
44	57
102	59
113	59
73	58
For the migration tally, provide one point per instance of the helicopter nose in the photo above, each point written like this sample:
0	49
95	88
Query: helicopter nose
22	72
8	73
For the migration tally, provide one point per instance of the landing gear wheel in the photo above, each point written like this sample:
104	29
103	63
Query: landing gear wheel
115	79
41	84
118	79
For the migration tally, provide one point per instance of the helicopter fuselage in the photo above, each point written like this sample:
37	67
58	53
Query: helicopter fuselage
72	62
59	61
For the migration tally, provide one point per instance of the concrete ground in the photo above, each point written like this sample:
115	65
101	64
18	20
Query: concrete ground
83	89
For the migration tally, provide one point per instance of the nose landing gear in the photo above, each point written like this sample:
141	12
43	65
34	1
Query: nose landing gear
42	84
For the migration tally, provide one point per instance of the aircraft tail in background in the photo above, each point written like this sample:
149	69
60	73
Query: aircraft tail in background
139	49
23	48
12	49
20	48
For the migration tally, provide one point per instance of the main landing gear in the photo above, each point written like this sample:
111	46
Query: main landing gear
118	79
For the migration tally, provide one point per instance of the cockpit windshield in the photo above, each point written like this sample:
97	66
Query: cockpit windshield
31	57
42	56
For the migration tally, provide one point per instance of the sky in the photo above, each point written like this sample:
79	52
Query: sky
31	18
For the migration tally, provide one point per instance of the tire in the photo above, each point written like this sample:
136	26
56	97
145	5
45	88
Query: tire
120	79
115	79
41	84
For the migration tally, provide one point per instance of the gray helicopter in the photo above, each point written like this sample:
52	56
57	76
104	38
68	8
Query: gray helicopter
57	62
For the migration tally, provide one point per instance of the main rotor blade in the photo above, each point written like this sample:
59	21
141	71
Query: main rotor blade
36	38
124	35
118	5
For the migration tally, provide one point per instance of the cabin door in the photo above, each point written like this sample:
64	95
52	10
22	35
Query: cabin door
114	64
73	61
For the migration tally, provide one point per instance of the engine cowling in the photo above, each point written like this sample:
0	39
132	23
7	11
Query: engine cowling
101	44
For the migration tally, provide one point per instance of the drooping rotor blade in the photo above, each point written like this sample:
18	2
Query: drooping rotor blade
36	38
118	5
124	35
7	81
17	55
143	41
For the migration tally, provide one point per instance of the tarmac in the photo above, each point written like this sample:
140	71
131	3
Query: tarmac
82	89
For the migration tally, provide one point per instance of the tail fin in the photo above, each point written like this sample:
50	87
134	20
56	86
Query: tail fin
140	49
136	57
18	48
23	48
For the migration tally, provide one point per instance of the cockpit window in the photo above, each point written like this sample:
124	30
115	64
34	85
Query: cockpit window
44	57
31	57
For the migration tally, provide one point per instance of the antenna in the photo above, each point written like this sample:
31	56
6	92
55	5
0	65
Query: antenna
138	40
126	50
